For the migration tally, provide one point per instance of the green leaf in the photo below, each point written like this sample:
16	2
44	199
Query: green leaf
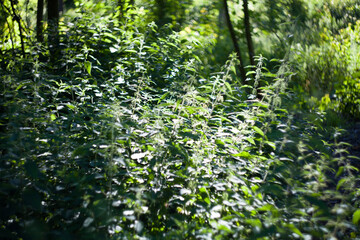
52	117
219	142
87	222
87	66
191	110
112	49
202	99
356	217
250	72
111	36
224	227
233	69
138	155
139	226
246	191
261	104
228	87
271	144
246	86
294	229
340	183
267	207
259	131
163	97
130	51
250	140
340	171
243	155
72	107
254	222
202	190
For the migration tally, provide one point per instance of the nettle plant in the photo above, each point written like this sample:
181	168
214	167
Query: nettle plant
123	138
194	159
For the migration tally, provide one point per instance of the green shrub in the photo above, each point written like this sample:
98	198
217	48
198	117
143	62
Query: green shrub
331	68
343	13
125	138
348	98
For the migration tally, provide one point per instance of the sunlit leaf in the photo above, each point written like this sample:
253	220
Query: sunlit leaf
340	183
88	65
250	140
244	154
138	155
53	117
294	229
139	226
340	171
258	130
271	144
356	217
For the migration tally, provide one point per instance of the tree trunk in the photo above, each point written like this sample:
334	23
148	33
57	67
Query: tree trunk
235	43
53	12
161	12
61	6
53	22
39	21
250	44
248	32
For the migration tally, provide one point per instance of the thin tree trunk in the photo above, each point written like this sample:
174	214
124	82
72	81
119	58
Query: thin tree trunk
235	43
53	12
18	20
61	6
161	5
248	32
39	21
53	22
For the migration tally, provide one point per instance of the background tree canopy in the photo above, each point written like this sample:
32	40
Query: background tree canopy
193	119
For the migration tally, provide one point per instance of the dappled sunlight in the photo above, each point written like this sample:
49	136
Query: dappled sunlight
136	123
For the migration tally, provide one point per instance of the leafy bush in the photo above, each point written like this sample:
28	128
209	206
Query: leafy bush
344	13
348	98
320	68
331	69
124	137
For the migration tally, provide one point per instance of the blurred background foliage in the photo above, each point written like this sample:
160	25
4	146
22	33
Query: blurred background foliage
129	119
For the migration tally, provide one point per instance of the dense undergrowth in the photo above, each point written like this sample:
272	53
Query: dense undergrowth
123	137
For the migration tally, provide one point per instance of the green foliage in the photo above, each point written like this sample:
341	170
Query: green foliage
331	69
128	136
348	98
344	13
175	13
